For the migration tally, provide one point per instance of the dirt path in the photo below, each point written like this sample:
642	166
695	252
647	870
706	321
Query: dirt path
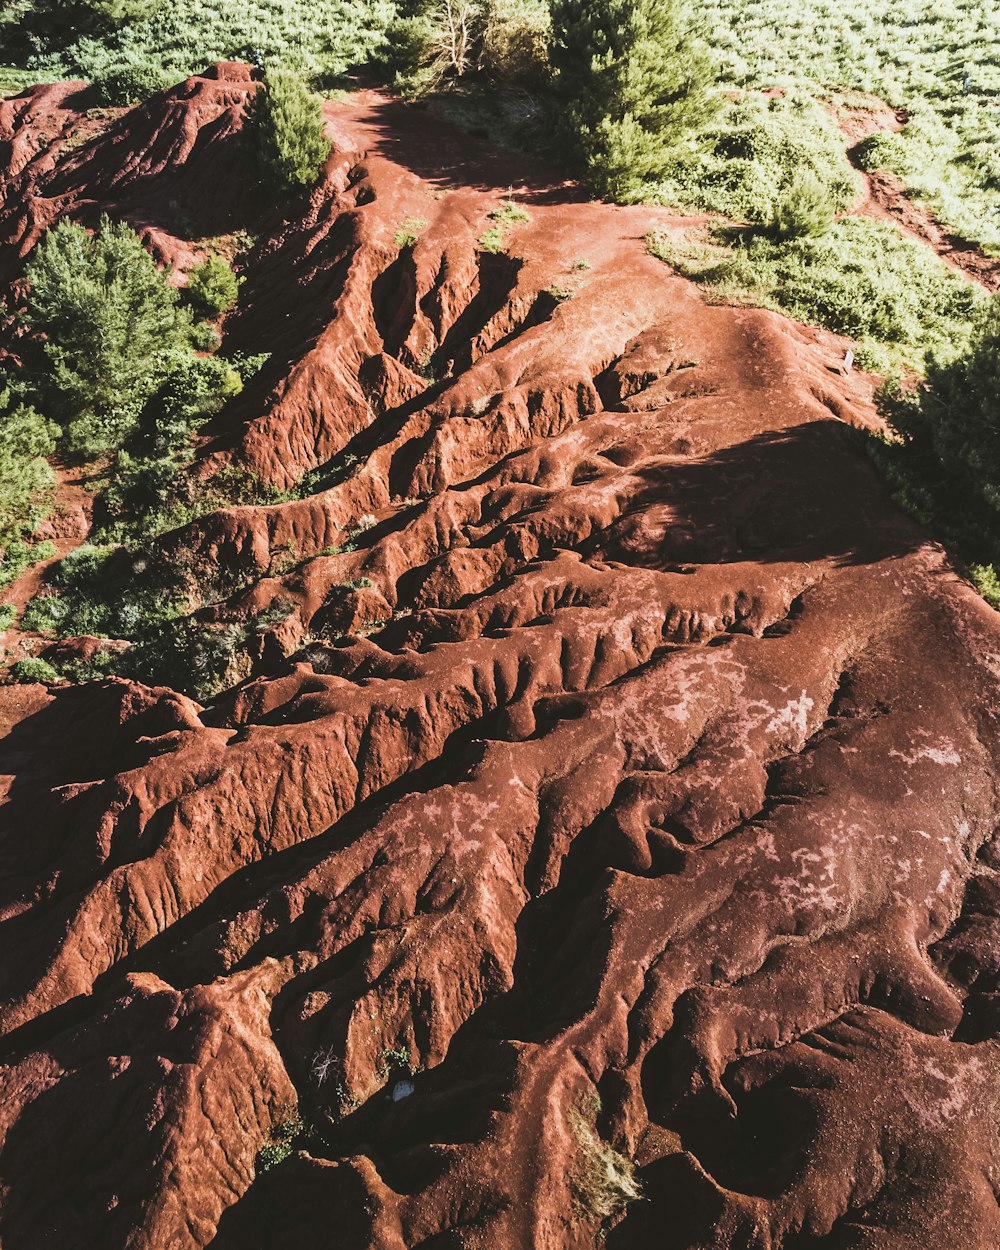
885	198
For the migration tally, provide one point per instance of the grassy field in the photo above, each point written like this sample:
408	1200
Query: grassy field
938	60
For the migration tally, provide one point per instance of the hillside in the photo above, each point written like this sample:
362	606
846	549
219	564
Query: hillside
591	832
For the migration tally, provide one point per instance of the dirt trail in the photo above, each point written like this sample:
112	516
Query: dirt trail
885	199
613	807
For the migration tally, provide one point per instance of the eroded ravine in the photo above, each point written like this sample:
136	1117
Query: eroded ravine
614	814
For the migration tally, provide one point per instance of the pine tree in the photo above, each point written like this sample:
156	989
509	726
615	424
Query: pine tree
103	323
26	438
634	80
286	123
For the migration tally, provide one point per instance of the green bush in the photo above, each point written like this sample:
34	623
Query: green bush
938	61
104	324
26	481
805	209
409	56
147	492
514	43
884	151
947	461
34	670
745	162
633	80
212	288
8	615
128	82
205	337
286	122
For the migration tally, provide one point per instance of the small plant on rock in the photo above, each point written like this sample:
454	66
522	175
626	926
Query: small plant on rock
409	232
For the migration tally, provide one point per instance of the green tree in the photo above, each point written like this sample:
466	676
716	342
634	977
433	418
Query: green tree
286	122
103	323
633	79
26	479
212	287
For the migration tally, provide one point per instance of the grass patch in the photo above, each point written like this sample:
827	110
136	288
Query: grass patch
861	279
409	232
604	1181
503	220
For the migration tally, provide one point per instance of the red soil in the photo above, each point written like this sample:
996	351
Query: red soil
658	816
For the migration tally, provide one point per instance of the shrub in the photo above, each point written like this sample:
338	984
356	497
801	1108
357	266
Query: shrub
883	151
34	670
432	41
8	615
205	337
283	1138
286	122
146	493
514	44
104	324
743	164
248	366
604	1182
948	457
633	80
21	555
26	480
212	288
804	209
409	232
408	55
108	592
128	82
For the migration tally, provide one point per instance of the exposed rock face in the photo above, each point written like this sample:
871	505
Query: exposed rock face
628	866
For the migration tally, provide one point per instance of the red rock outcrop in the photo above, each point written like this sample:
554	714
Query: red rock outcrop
606	844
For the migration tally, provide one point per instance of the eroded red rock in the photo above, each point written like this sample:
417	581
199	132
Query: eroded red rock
606	843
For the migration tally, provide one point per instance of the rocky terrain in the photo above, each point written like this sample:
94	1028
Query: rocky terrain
604	846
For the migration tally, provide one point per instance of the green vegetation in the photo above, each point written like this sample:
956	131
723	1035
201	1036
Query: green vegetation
34	670
8	615
212	287
284	1136
860	278
105	330
634	81
409	232
286	125
321	38
744	164
946	464
26	481
110	355
433	44
503	220
941	62
128	81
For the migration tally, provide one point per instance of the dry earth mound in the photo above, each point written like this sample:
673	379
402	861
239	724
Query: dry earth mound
604	846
